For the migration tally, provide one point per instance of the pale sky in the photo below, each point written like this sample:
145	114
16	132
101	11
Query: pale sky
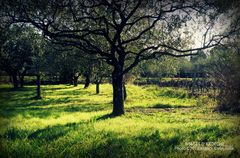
197	29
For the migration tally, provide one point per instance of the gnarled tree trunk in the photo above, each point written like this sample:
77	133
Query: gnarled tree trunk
118	96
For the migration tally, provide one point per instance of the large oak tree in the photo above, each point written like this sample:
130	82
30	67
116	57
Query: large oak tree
121	32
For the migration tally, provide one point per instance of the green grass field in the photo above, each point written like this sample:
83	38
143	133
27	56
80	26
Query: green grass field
73	122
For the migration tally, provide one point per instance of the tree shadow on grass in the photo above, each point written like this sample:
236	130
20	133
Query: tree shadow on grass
136	146
164	106
48	134
27	113
109	143
11	95
44	102
101	146
8	89
106	116
52	111
155	138
27	98
72	93
157	108
86	108
34	101
52	132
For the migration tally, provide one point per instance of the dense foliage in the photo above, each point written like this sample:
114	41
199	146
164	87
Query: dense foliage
223	68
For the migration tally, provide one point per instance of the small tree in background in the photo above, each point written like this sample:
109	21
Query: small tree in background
16	55
39	49
100	71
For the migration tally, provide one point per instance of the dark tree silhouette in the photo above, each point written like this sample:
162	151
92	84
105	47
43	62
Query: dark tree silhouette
16	54
123	33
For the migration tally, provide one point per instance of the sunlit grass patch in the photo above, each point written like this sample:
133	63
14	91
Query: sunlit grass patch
74	122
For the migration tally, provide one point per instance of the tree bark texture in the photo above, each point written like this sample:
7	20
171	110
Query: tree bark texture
118	96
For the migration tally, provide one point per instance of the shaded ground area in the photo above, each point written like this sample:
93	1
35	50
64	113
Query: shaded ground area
75	122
